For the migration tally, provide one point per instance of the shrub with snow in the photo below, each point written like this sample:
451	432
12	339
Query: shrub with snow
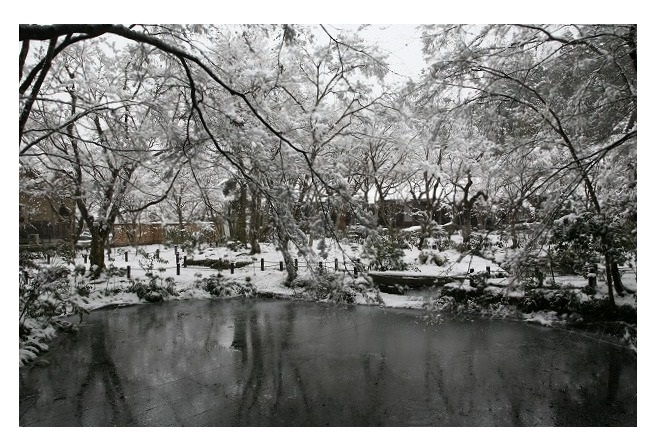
384	251
336	287
45	292
222	287
429	256
155	289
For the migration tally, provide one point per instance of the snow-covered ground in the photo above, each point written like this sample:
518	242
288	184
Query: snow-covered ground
271	280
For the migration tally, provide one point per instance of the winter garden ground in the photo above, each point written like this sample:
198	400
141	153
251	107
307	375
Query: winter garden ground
565	302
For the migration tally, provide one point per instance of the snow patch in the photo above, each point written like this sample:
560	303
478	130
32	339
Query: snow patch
546	319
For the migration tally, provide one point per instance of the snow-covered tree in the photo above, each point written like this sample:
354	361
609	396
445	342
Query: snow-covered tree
567	89
97	126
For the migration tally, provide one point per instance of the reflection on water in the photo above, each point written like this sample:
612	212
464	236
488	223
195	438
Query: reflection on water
249	363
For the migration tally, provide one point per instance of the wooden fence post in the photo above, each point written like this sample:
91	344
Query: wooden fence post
128	271
178	268
232	267
281	266
262	264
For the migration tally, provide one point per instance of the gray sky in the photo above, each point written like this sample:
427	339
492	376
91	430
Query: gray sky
402	41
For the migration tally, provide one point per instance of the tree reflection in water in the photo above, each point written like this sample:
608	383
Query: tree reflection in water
281	363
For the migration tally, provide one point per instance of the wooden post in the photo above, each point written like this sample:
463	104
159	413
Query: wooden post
128	271
47	257
281	266
295	264
176	250
488	271
262	263
157	253
85	258
336	264
184	263
177	258
232	267
320	266
178	268
125	255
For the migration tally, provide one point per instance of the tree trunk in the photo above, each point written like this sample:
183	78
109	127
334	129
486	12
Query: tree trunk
608	276
288	259
616	277
97	249
180	215
465	224
512	230
255	224
515	238
426	225
424	235
241	234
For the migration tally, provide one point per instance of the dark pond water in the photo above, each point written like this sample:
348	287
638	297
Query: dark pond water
279	363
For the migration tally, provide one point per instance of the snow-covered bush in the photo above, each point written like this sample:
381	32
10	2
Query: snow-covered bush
222	287
356	234
440	239
207	233
27	258
384	251
337	287
45	293
448	304
179	237
147	261
34	333
429	256
559	300
236	246
478	243
322	249
576	240
155	289
533	275
412	236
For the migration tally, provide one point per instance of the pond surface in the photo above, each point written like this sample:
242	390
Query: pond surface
279	363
